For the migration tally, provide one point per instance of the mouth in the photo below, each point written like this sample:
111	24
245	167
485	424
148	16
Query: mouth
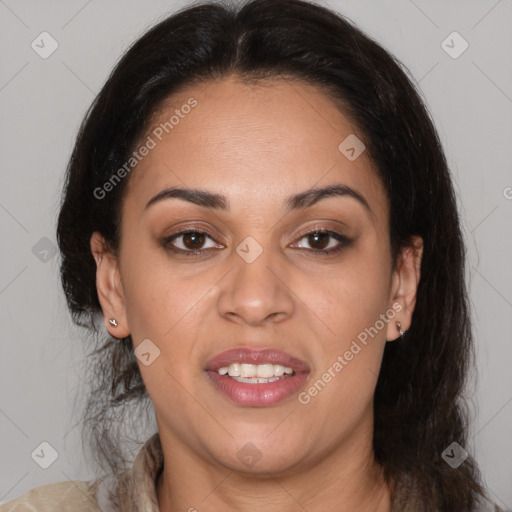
257	378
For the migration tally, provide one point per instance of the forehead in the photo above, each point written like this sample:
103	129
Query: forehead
255	143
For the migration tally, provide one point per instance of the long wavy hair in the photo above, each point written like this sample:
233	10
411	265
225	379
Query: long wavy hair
420	405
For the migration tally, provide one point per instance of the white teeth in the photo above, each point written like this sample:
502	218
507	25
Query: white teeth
263	372
248	370
234	370
255	380
278	370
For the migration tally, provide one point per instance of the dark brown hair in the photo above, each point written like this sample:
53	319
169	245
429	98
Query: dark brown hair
419	403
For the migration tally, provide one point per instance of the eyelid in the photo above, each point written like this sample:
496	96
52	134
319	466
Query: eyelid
317	227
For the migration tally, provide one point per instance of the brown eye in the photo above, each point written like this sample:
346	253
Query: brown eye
318	240
324	242
193	240
189	242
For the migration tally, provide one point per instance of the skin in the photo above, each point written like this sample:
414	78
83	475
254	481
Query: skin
257	145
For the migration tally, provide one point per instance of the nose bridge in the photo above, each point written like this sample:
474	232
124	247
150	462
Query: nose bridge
256	288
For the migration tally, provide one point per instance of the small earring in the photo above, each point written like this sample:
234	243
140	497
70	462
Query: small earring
399	327
113	322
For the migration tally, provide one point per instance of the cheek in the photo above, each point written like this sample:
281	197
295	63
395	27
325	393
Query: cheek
160	307
345	375
351	303
155	297
144	304
169	306
353	296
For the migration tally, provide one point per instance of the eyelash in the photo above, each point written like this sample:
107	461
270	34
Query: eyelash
344	242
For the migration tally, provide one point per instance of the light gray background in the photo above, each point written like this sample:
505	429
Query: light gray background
42	102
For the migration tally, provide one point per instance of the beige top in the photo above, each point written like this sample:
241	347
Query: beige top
136	493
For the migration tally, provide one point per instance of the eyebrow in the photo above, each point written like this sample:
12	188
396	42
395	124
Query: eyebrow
303	199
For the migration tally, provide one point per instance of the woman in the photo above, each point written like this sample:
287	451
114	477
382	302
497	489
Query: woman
259	207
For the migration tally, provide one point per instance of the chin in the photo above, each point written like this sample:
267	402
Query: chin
261	456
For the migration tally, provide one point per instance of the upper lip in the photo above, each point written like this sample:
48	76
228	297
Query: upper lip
256	356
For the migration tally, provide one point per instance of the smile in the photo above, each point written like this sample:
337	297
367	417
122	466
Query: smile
257	378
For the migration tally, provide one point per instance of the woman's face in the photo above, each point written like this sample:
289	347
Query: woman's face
256	282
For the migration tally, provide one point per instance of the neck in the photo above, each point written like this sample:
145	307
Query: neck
345	480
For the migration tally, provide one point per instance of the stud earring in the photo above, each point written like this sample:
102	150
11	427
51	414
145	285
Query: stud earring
113	322
399	327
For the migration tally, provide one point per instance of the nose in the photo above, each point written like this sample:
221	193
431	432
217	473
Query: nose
256	291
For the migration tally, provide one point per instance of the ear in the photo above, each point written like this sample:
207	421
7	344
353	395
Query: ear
109	287
405	281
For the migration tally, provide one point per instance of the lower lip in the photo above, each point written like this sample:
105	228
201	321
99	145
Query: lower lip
258	395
